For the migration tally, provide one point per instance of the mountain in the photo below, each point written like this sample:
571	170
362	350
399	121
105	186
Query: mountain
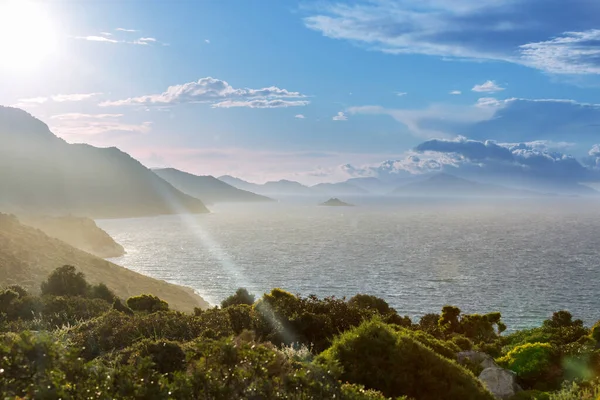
240	183
443	184
273	188
371	185
43	174
79	232
342	188
27	256
208	188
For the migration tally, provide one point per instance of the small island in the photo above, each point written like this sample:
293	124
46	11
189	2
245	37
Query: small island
335	202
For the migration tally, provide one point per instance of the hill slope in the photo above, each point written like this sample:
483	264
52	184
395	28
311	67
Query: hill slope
80	232
207	188
273	188
27	256
443	184
41	173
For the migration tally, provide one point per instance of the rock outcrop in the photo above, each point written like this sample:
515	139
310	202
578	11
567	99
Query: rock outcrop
501	382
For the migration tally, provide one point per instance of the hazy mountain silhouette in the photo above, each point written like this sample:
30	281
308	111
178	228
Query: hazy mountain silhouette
274	188
342	188
27	256
41	173
207	188
443	184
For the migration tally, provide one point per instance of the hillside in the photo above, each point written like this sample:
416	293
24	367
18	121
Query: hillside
43	174
208	188
27	256
80	232
449	185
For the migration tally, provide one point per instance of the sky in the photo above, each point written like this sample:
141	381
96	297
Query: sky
314	91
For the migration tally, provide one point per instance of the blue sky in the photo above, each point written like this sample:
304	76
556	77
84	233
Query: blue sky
311	90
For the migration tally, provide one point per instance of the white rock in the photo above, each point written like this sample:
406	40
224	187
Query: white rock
501	382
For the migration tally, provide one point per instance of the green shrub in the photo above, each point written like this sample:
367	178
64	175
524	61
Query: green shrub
358	392
19	289
462	342
65	281
531	395
429	323
167	356
101	291
443	348
147	303
595	332
241	296
240	317
120	307
367	354
370	303
531	362
7	296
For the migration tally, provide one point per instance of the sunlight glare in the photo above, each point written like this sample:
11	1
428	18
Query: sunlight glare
27	34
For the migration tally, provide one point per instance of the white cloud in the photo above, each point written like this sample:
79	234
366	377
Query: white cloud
106	33
456	92
145	40
400	94
488	87
33	100
78	116
340	116
500	30
126	30
260	103
75	124
74	97
206	41
215	91
571	53
98	39
488	102
299	116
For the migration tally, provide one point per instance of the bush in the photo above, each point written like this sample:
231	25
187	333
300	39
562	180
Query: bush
531	395
19	289
240	317
369	302
147	303
101	291
167	356
531	362
595	332
462	342
65	281
241	296
366	355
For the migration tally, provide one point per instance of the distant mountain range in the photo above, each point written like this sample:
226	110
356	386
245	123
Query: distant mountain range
446	185
44	174
208	188
292	188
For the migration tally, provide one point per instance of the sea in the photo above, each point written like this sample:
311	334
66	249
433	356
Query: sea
523	257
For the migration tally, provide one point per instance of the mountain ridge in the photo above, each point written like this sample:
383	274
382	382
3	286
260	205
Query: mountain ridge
42	173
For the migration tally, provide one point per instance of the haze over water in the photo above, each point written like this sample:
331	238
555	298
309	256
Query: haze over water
525	258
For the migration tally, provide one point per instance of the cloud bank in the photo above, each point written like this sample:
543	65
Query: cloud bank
217	92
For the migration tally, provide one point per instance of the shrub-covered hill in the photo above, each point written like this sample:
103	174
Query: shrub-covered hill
27	256
80	341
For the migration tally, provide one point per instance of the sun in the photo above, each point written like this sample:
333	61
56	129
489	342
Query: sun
27	34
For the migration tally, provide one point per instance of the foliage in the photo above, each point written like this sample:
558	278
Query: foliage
531	362
595	332
65	281
147	303
366	354
101	291
462	342
241	296
479	328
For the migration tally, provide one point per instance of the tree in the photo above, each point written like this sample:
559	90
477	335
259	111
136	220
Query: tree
101	291
241	296
65	281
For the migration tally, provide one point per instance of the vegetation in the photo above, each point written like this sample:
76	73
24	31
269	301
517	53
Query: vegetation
77	340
